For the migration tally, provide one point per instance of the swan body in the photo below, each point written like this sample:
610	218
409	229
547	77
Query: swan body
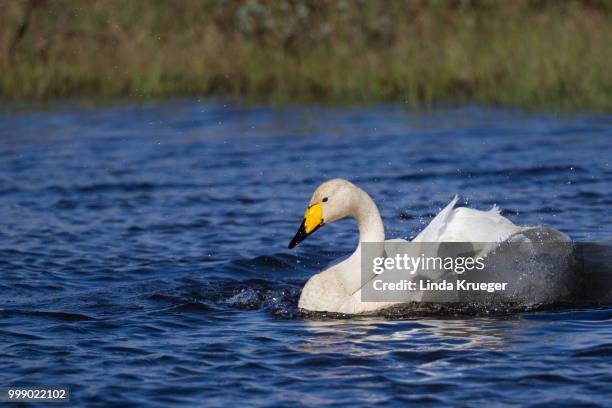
338	288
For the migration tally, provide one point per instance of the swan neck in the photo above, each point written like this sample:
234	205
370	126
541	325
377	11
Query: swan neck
371	228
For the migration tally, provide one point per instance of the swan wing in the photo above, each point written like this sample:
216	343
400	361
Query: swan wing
469	225
435	230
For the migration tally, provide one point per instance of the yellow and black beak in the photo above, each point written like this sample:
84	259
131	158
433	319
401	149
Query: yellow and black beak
313	220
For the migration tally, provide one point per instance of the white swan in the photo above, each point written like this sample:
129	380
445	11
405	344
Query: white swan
338	289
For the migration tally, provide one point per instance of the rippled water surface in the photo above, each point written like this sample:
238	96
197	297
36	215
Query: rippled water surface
144	260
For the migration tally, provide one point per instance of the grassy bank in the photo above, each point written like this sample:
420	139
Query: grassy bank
518	53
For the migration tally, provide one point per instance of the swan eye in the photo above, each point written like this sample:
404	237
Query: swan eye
325	199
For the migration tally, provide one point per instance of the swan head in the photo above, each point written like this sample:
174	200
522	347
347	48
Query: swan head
330	202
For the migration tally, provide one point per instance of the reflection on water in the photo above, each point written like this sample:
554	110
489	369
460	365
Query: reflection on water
455	334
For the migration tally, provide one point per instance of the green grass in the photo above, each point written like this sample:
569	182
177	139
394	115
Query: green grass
553	54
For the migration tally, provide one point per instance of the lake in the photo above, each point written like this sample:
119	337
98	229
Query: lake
144	260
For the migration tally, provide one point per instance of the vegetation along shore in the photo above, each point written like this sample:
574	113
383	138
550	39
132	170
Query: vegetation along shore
526	53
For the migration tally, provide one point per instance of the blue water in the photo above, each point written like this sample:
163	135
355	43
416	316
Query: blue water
144	260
